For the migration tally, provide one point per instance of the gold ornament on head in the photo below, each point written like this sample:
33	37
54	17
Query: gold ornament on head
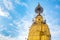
39	9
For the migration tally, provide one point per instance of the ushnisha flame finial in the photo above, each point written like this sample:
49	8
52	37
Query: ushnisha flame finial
39	9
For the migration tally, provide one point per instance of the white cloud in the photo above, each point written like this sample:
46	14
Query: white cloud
8	4
55	31
4	13
21	3
6	38
20	37
2	26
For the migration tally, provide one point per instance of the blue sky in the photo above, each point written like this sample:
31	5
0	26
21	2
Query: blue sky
16	18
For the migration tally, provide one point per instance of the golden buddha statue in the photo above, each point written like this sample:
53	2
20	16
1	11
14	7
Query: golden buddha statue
39	29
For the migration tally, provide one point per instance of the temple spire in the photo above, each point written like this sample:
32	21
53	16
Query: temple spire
39	9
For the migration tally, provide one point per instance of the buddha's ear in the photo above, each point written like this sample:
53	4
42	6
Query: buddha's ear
44	21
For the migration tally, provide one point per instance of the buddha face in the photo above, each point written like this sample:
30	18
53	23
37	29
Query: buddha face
39	19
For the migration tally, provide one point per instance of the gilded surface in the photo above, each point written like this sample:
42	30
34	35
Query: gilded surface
39	30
